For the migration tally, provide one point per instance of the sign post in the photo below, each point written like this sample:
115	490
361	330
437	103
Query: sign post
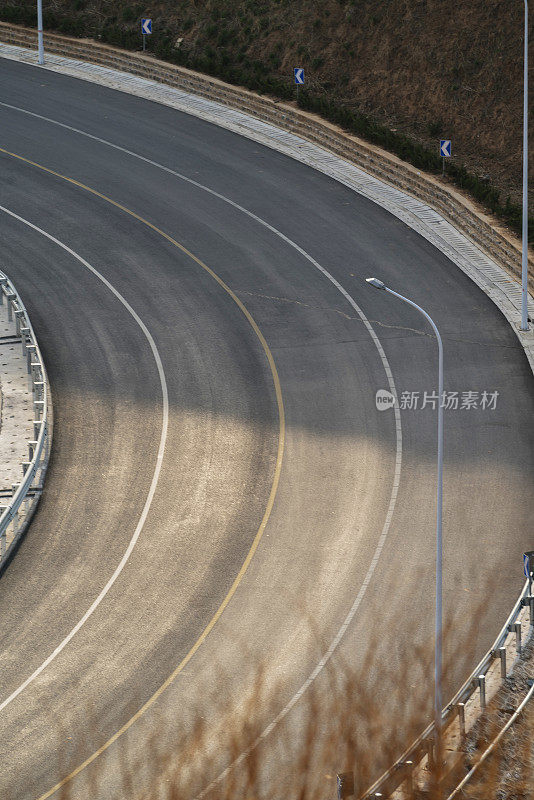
299	79
445	150
146	29
40	45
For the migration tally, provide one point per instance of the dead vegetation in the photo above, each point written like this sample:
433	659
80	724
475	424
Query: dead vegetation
343	723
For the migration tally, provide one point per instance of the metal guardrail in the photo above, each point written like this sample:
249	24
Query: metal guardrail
408	763
16	514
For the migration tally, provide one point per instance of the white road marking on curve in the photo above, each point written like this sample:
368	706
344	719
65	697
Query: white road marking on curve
157	470
398	427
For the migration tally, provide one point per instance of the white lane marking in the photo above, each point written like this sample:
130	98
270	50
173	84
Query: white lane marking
378	551
398	428
157	470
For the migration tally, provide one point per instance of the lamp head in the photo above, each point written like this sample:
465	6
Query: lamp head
378	284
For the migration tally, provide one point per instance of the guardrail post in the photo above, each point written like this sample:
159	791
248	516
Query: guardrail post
29	348
37	428
482	686
502	655
517	629
24	332
461	719
429	745
10	297
529	601
19	312
38	406
25	465
31	449
409	768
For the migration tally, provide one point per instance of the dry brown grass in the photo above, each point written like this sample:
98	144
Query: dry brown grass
344	722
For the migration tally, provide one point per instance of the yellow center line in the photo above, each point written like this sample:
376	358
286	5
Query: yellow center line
272	494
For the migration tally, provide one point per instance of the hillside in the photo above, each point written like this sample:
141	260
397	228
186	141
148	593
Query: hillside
402	73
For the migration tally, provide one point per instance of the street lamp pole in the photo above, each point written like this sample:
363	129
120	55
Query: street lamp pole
40	31
438	657
524	260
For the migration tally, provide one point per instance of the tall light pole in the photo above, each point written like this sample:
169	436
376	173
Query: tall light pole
524	260
438	705
40	31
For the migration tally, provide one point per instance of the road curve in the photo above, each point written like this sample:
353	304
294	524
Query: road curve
222	444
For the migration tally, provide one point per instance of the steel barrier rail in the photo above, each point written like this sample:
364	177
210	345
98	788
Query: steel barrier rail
17	513
403	769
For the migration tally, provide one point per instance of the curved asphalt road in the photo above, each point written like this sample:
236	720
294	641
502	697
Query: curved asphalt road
221	450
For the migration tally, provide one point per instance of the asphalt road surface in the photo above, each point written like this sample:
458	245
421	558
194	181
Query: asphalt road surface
278	494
